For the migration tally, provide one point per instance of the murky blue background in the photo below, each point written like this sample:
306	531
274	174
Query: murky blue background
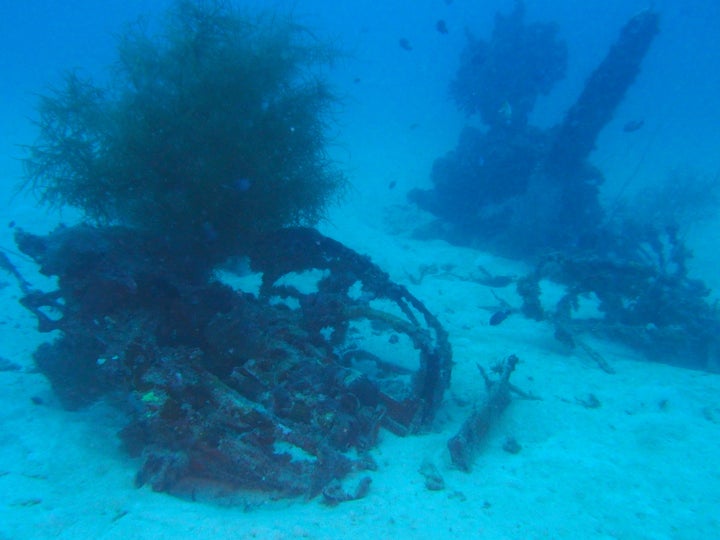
396	116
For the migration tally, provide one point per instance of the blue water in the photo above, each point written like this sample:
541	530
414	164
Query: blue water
676	91
396	116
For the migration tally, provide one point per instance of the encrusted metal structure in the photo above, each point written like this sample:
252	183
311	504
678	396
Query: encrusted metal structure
282	389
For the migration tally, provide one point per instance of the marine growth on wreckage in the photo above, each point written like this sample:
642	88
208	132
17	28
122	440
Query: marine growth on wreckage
282	389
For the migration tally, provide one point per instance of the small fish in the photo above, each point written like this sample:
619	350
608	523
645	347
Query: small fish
357	80
499	316
405	44
240	185
633	125
209	232
392	184
441	26
505	111
478	59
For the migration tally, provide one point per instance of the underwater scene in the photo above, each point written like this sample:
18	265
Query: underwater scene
336	270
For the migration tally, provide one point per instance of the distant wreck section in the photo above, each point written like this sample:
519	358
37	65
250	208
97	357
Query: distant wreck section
515	187
604	91
532	193
282	392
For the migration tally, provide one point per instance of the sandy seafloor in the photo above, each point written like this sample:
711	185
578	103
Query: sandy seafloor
643	465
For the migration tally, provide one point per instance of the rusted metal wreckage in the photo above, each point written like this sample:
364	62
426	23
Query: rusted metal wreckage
283	390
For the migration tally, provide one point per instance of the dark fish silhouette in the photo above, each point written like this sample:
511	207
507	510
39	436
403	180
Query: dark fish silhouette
499	316
405	44
239	185
441	27
633	125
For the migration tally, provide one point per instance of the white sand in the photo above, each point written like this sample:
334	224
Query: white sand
643	465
